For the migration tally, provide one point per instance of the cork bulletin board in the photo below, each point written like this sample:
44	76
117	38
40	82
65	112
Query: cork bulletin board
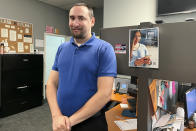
16	36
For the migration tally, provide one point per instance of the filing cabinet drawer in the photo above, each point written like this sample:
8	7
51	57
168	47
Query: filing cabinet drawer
22	61
19	105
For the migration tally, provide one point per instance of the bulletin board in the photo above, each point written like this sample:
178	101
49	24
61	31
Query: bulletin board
16	36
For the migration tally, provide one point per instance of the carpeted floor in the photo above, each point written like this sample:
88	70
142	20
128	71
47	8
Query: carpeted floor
35	119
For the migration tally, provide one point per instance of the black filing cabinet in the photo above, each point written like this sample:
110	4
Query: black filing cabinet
21	82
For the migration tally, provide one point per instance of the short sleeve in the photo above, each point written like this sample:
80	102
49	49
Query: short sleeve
107	61
55	65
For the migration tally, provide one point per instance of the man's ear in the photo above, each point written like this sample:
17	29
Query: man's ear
92	21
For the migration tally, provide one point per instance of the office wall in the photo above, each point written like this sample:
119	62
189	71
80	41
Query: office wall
119	13
37	13
98	13
177	17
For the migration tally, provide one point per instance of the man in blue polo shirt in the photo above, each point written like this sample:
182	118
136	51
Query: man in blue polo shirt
81	80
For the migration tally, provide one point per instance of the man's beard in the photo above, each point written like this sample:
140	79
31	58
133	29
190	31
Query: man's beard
78	36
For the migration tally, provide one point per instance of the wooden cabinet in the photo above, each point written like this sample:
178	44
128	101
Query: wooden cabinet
21	82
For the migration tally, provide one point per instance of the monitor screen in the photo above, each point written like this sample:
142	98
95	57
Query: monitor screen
166	7
124	86
190	103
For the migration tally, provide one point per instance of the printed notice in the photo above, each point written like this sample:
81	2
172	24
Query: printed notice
26	30
28	39
7	26
4	32
20	47
120	48
12	27
12	35
20	36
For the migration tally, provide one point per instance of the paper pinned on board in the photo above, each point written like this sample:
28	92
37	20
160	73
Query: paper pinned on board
20	47
12	35
4	32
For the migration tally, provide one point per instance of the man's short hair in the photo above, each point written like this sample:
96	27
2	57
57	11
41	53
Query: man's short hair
90	9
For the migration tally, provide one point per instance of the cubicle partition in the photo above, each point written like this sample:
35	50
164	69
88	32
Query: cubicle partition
177	62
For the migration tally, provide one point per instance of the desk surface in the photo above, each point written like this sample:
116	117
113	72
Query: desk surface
190	129
119	97
115	114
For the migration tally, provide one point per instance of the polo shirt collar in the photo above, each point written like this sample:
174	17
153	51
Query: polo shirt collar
88	43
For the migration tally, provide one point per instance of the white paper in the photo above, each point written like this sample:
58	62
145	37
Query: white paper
28	39
19	36
5	43
27	25
7	26
124	105
177	124
4	32
128	124
9	22
12	27
26	30
21	31
163	120
20	47
170	89
39	43
6	49
31	48
5	21
12	35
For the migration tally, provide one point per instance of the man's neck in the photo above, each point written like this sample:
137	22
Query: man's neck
82	41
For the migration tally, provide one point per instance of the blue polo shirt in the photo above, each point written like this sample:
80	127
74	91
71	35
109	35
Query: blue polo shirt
79	68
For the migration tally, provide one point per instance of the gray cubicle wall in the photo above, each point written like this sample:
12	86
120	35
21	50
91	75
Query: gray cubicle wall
177	51
177	60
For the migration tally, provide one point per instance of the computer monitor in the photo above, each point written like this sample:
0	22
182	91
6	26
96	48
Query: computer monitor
190	103
133	87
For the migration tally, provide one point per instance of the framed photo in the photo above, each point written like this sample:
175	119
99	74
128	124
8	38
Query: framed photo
144	47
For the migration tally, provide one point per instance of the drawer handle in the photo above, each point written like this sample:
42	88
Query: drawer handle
25	60
21	87
24	102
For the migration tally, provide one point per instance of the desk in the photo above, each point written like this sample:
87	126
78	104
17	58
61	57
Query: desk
186	129
115	114
119	97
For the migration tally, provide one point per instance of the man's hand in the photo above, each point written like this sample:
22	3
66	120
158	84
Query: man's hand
147	60
139	62
144	60
61	123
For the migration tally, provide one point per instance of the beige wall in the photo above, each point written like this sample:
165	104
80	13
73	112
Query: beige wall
128	12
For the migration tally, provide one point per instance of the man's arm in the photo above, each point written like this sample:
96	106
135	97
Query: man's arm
59	121
96	102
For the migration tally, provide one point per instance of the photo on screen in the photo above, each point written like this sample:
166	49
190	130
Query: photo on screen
144	47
